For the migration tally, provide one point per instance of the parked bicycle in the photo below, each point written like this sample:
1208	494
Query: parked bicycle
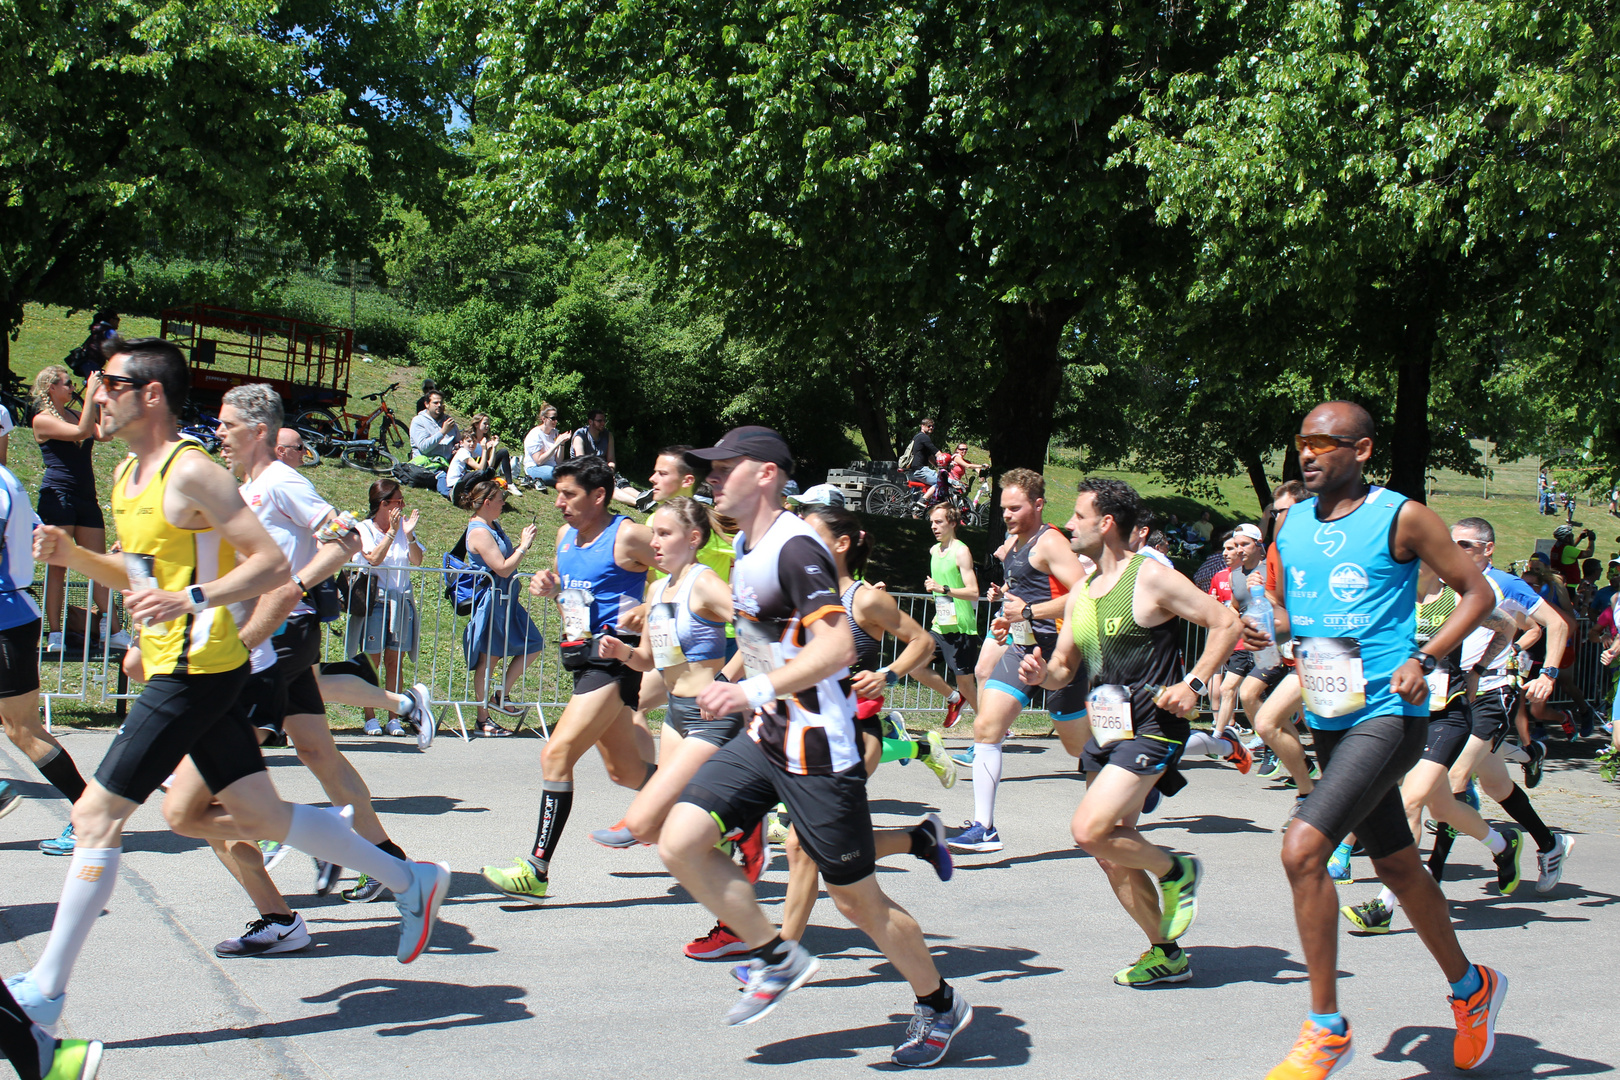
17	399
915	500
324	432
200	427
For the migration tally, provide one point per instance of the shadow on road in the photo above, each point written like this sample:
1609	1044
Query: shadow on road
982	963
898	806
1500	912
1203	823
1515	1055
1225	965
1018	860
18	921
408	1006
379	937
424	805
994	1040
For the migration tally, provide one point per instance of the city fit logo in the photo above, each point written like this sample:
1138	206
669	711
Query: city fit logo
89	873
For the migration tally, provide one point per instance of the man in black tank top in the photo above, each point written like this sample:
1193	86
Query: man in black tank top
1041	569
1122	630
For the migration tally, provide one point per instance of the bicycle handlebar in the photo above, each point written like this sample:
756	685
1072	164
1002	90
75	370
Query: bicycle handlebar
378	395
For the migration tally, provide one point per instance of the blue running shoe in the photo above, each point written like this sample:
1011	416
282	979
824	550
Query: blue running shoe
928	1036
1470	794
44	1011
1151	803
975	838
10	797
964	758
931	832
419	907
1338	866
769	983
59	845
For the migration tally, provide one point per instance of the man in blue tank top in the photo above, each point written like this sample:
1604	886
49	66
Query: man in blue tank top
1348	591
602	563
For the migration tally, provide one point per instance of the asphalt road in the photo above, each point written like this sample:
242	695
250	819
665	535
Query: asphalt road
594	983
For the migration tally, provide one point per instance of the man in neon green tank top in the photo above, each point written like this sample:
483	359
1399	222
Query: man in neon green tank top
955	628
1124	634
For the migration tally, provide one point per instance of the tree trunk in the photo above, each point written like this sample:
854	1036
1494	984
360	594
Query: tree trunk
1291	469
869	413
1257	478
1020	407
1410	440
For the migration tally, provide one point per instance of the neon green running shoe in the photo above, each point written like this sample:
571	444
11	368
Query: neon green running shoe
1154	967
940	761
1369	918
776	829
519	881
1179	898
76	1059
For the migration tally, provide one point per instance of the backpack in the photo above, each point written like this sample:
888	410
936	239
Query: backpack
416	476
908	460
85	359
462	590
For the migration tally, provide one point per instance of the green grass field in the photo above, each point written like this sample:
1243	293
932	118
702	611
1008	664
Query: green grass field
899	556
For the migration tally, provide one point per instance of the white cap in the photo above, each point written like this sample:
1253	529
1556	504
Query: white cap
1251	531
6	423
820	495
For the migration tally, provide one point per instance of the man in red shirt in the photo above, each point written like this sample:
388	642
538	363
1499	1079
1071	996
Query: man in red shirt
1244	552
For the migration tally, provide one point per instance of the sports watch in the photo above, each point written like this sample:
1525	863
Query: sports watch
1195	684
1427	662
199	601
1551	672
889	677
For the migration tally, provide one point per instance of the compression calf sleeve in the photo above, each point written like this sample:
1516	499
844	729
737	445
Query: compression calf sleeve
1442	851
900	749
326	835
1518	806
556	800
1200	742
57	767
986	778
89	885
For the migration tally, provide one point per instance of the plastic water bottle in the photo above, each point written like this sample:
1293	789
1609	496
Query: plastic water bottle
1258	608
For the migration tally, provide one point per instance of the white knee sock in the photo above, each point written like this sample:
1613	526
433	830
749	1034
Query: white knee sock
1200	742
90	880
326	835
1387	898
1495	841
986	777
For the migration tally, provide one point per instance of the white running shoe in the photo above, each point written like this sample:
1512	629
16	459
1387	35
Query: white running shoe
422	716
120	640
53	643
273	851
266	938
44	1011
419	907
1551	863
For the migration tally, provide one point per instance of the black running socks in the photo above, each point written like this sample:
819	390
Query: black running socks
556	800
940	1000
1519	809
651	768
394	849
773	951
58	768
1442	851
279	919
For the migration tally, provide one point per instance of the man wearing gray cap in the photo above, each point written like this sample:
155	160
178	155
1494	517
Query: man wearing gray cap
800	747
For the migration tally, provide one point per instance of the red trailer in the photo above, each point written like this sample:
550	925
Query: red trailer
307	363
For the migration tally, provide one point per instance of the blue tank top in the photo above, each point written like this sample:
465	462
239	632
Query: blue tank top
671	619
1353	610
596	591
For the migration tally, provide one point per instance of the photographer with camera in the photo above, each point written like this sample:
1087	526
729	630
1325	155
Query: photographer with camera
1567	553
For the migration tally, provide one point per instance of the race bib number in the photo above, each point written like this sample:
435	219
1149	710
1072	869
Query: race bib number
666	643
944	609
576	613
1330	678
1439	681
761	652
1021	632
1108	708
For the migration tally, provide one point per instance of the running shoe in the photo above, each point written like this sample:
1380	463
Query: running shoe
1338	866
326	876
616	837
1150	802
928	1036
1240	756
939	761
768	983
44	1011
1470	794
717	944
75	1059
953	710
1476	1019
59	845
1369	918
965	757
394	729
1154	967
273	851
10	797
776	831
1179	898
373	726
419	907
755	851
519	881
1317	1055
422	717
364	891
1532	767
975	839
894	727
930	833
1551	863
53	642
1507	863
266	938
1293	810
1316	770
1270	766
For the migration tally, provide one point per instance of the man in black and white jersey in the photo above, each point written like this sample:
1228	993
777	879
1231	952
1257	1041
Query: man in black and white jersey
800	748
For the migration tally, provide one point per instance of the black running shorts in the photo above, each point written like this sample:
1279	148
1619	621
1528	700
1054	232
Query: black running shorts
264	701
66	510
298	650
605	673
1272	676
19	659
1241	662
739	784
689	722
1154	746
959	651
1448	732
1490	714
177	715
1362	769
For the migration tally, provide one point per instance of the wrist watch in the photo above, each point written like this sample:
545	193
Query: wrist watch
1426	662
1549	672
1195	684
889	677
199	601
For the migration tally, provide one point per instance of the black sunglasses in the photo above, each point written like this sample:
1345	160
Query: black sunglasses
119	383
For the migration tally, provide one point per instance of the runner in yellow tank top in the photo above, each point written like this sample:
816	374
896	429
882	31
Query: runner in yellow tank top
194	547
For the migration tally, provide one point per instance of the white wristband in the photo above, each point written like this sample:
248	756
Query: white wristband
759	690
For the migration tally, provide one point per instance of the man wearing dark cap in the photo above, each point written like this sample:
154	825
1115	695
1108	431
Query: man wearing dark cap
800	748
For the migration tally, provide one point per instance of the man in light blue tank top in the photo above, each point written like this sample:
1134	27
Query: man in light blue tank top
1348	593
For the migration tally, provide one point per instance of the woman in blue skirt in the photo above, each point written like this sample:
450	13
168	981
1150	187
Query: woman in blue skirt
500	626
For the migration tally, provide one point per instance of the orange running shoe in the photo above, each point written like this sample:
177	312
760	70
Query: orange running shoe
1317	1055
1240	755
1476	1019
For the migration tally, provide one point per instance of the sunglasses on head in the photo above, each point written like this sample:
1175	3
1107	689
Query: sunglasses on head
1322	443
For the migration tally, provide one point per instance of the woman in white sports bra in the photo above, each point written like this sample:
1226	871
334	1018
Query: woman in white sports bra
685	642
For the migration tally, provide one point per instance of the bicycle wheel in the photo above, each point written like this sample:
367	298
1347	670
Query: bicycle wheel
312	457
888	500
370	458
319	427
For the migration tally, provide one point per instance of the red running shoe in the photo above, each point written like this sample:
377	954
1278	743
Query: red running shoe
953	710
717	944
756	852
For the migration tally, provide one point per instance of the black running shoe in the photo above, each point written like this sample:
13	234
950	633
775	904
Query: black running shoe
326	876
1532	768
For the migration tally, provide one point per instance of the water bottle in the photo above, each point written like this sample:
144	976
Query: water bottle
1258	608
